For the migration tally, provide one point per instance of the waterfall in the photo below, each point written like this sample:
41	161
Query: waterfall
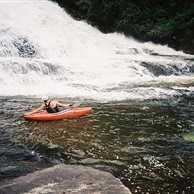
45	51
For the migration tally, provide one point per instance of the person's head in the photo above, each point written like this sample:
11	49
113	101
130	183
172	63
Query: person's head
46	98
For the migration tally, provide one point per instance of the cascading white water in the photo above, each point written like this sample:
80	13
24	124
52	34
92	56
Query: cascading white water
44	51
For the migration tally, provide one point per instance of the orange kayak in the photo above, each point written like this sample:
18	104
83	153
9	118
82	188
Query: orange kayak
65	114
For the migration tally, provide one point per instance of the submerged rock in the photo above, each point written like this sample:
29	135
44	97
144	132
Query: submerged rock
189	137
65	179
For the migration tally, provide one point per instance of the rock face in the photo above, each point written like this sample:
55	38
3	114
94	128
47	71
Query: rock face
65	179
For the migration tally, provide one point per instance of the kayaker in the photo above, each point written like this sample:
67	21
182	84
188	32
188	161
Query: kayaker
51	106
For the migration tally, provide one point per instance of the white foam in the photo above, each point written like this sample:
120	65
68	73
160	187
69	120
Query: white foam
70	58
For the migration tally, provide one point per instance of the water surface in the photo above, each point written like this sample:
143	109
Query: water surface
141	143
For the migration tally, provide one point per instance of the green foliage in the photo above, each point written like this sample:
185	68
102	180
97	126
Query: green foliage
83	4
145	19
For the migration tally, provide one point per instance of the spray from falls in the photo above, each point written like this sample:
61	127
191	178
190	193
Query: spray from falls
44	51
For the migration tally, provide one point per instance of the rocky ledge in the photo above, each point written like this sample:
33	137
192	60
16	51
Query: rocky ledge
65	179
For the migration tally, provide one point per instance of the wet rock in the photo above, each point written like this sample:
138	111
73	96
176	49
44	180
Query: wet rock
65	179
89	161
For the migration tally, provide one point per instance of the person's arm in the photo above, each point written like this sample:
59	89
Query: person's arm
63	105
37	110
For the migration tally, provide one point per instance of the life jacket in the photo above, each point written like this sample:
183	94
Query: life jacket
51	110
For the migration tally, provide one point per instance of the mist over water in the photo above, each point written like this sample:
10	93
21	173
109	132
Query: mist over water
45	51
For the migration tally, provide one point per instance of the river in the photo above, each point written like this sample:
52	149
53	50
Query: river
141	128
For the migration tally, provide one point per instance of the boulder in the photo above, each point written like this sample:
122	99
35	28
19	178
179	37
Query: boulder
65	179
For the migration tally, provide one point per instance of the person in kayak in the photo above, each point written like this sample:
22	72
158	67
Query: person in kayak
50	106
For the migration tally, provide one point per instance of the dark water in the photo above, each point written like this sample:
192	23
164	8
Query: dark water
141	143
